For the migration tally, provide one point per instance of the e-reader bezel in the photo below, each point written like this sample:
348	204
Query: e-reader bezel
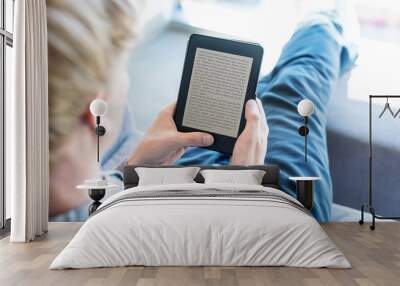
222	143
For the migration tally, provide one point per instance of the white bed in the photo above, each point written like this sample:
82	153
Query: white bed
245	225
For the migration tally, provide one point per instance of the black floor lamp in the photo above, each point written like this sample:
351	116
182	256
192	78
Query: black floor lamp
369	205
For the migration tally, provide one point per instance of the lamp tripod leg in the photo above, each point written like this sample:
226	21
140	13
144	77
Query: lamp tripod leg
372	210
361	221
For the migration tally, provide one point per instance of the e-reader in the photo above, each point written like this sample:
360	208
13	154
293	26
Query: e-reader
219	76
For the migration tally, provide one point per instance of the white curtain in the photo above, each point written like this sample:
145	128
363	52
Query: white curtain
27	124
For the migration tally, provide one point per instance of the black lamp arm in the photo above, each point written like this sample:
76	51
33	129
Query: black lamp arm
305	138
100	131
303	131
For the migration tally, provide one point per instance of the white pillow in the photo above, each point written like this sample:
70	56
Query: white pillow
165	176
248	177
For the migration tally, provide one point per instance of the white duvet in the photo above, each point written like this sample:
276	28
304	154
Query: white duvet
183	231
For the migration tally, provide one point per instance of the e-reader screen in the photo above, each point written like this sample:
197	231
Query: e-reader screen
217	92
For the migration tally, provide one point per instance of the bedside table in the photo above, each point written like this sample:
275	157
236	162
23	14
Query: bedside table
96	193
305	189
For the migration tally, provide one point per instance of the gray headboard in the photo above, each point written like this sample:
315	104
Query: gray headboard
270	179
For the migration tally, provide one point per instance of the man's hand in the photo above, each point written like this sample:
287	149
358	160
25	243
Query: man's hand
251	146
163	144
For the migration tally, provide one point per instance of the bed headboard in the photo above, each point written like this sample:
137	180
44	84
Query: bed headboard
270	179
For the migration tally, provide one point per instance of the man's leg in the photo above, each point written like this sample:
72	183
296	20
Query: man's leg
309	67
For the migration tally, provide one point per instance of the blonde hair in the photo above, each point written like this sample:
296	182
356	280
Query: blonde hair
87	41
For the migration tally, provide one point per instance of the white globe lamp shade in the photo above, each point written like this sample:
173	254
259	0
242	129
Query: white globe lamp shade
305	107
98	107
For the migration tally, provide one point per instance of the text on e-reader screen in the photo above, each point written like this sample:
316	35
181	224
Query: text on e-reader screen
217	91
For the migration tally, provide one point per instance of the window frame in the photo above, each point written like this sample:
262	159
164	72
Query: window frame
6	39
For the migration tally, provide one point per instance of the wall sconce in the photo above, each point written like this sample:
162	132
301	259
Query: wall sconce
305	108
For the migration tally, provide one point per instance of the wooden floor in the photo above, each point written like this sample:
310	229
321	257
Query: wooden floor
375	257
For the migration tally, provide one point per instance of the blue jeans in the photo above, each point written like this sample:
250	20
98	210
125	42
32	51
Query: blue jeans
309	66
